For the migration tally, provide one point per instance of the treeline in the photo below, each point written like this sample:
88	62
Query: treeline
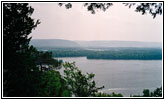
135	54
113	53
146	93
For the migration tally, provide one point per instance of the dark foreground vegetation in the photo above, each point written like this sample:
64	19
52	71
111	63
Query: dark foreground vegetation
28	72
146	93
118	53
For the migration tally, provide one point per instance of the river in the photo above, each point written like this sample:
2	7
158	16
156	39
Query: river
122	76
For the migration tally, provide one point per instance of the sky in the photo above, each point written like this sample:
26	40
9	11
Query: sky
117	23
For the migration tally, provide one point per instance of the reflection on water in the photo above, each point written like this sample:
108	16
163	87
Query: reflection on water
122	76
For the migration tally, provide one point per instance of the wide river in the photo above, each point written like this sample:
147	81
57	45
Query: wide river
122	76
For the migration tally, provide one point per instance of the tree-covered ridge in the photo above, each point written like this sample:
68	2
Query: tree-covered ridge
61	43
109	53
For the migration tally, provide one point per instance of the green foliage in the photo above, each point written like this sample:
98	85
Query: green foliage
146	93
111	53
152	8
81	85
108	95
52	85
116	95
17	25
157	92
19	72
92	7
46	62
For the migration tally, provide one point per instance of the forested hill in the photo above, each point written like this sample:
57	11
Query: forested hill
53	43
120	53
96	44
118	44
100	49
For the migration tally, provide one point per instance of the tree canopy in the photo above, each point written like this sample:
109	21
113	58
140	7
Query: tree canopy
153	9
18	62
81	85
146	93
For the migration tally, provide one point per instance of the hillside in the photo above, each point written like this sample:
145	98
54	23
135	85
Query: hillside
53	43
118	44
91	44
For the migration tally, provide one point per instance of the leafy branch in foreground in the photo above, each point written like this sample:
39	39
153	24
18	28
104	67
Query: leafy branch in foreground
81	85
153	9
53	85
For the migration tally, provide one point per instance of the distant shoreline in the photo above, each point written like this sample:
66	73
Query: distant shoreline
104	59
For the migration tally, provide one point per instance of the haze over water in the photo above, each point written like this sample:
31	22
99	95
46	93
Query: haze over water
122	76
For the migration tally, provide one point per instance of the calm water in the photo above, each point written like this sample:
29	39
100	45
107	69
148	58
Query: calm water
122	76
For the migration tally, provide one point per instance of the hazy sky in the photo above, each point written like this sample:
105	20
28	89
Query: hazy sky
117	23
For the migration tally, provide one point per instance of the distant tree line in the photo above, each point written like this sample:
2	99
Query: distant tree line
113	53
146	93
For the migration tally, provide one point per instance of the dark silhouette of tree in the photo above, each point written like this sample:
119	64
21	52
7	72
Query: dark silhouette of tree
152	8
46	62
146	93
18	65
99	94
157	92
26	71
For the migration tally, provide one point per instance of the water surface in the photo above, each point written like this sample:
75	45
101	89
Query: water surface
122	76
